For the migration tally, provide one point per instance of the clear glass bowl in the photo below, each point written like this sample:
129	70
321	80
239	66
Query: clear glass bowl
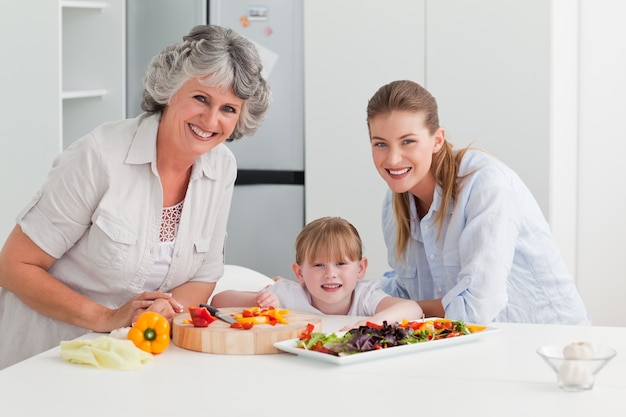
576	374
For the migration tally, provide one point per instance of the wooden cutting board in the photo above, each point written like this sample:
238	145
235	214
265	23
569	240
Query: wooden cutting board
218	337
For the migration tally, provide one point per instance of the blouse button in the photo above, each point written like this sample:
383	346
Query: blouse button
439	290
432	256
467	281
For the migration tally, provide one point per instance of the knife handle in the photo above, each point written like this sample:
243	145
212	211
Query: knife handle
211	309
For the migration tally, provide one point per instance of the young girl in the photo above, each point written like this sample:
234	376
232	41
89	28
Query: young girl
465	237
329	267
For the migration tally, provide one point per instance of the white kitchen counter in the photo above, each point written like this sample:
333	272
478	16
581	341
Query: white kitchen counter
499	374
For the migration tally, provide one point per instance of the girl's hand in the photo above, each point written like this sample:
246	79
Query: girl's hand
266	298
353	326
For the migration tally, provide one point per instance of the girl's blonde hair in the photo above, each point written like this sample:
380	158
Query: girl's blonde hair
328	238
409	96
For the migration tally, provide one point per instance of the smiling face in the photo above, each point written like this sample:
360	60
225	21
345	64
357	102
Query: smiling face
197	119
331	282
402	151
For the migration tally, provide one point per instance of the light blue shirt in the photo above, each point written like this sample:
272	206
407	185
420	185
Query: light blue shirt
495	259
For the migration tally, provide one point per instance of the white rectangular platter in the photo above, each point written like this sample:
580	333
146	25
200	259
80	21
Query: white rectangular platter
290	347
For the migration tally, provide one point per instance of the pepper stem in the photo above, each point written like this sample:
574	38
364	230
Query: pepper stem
149	334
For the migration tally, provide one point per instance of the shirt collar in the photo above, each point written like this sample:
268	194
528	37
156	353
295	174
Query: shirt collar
143	149
430	216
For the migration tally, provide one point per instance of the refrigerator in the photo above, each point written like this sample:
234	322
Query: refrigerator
267	210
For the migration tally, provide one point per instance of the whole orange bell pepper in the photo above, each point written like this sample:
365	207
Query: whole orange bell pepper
151	332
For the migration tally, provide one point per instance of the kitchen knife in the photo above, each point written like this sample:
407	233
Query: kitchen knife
216	313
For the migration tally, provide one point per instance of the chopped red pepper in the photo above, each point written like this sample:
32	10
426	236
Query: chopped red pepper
242	326
445	325
373	325
306	333
416	325
200	316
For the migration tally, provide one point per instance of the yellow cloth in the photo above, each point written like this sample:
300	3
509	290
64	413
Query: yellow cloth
105	352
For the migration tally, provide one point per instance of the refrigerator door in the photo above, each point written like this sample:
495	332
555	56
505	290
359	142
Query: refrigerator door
267	211
276	27
262	228
151	25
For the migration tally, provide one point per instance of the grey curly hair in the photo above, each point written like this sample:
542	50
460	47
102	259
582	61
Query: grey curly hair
219	57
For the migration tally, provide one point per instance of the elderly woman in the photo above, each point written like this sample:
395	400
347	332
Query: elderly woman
132	216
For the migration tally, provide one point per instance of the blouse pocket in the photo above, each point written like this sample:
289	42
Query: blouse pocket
201	249
452	266
406	270
109	241
202	245
404	283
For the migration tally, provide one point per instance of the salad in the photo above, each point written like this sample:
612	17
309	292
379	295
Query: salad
374	336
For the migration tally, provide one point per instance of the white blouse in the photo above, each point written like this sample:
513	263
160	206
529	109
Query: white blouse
100	214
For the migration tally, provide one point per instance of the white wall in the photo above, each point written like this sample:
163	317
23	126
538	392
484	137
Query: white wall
30	108
488	64
601	177
352	47
563	192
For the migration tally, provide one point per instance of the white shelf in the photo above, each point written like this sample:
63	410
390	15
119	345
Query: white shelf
92	65
83	94
84	4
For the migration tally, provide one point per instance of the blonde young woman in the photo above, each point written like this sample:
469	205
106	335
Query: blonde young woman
465	237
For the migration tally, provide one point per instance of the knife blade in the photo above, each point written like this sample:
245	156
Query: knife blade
216	313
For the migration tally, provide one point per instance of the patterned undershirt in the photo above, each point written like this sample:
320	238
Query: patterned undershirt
170	218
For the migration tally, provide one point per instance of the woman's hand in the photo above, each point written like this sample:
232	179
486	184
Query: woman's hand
266	298
167	307
156	301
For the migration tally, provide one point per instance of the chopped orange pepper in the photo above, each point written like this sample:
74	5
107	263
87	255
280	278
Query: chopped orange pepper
253	319
259	315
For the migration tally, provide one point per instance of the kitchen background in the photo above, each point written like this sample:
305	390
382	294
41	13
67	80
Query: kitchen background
537	83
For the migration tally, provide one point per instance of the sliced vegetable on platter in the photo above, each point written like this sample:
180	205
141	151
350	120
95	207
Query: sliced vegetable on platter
373	336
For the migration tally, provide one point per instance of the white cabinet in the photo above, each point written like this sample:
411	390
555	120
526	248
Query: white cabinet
92	65
351	48
64	73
